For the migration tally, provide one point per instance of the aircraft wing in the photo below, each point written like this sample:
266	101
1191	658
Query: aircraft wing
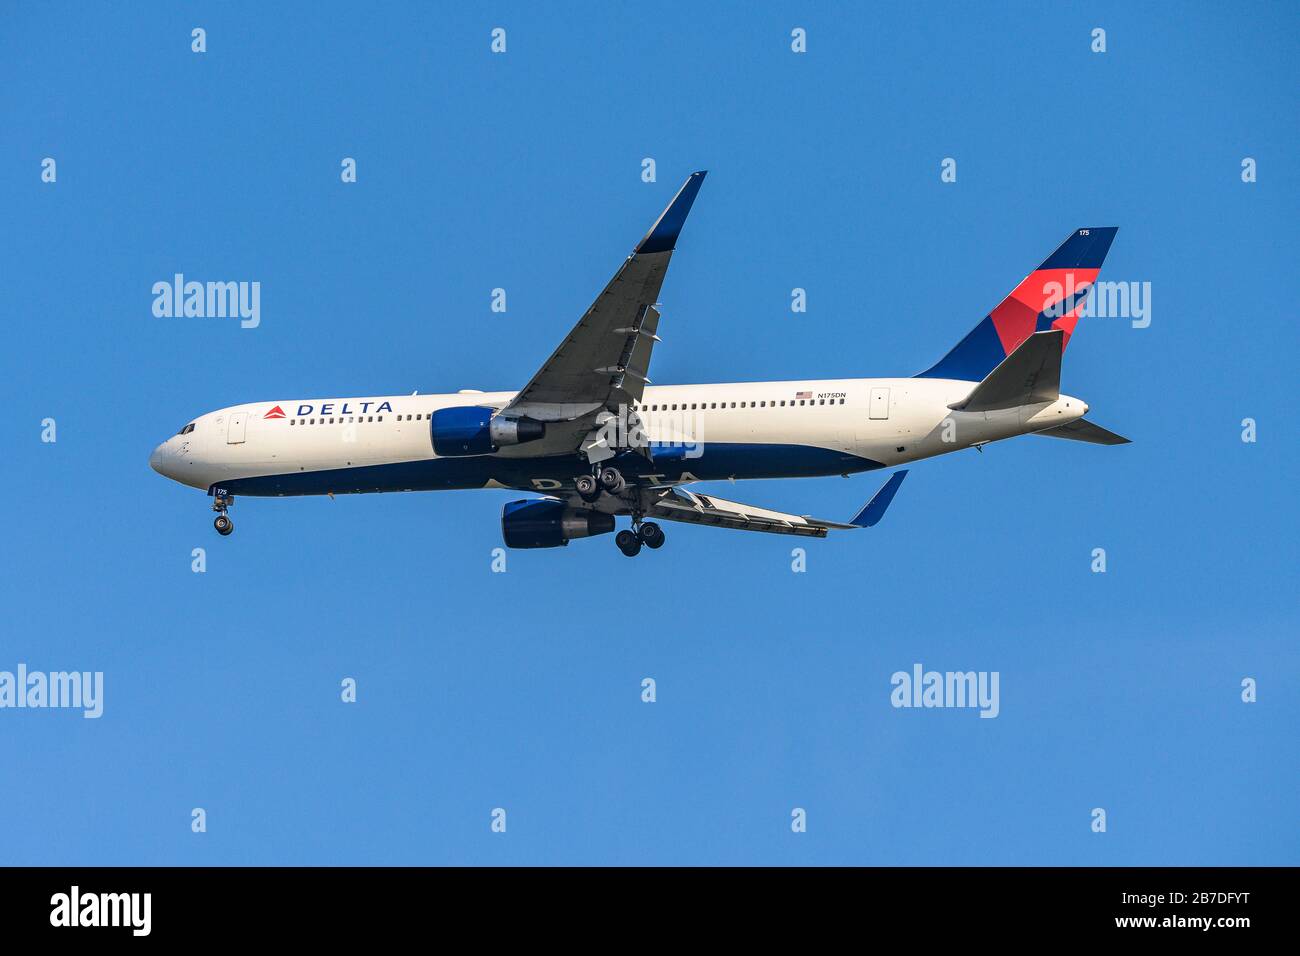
603	361
678	504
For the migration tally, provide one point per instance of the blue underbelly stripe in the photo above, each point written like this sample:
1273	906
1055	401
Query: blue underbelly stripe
719	460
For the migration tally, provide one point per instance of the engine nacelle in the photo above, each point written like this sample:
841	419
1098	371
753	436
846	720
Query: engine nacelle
546	523
473	430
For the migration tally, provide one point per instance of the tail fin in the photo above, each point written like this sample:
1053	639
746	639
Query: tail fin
1048	298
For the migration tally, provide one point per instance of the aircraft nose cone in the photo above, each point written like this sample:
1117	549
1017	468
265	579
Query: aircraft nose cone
156	459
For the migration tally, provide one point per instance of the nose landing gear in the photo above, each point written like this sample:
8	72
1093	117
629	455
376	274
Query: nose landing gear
222	522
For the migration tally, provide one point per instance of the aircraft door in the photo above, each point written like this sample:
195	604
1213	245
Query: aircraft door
879	403
235	430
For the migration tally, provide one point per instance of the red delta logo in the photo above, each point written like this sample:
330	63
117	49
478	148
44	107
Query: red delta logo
276	412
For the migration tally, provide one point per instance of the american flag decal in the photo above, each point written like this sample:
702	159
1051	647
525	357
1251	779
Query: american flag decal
799	395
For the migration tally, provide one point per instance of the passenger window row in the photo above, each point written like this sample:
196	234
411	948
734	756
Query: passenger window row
339	420
656	407
709	406
349	419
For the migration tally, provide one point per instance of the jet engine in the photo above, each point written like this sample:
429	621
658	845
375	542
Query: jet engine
547	523
473	430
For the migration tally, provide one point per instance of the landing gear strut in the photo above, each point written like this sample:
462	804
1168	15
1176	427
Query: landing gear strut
610	480
222	522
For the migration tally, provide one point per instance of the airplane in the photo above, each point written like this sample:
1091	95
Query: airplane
593	434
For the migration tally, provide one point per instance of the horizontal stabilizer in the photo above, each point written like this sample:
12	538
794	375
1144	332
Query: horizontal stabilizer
1029	375
1080	430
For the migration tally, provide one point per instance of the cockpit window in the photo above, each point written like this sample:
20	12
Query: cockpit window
187	429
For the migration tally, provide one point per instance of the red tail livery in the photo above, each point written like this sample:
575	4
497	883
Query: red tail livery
1049	298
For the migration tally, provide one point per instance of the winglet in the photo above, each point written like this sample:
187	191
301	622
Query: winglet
662	236
870	516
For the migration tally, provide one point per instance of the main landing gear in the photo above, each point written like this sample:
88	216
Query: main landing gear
644	533
610	481
588	487
652	536
222	522
607	480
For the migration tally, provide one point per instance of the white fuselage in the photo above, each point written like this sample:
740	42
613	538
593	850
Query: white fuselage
733	431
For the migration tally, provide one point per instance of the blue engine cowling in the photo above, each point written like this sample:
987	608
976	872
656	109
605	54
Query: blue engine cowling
473	430
547	523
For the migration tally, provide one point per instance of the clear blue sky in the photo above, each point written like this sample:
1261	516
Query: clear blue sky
522	690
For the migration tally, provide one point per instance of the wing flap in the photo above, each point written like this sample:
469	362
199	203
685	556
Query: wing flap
679	505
